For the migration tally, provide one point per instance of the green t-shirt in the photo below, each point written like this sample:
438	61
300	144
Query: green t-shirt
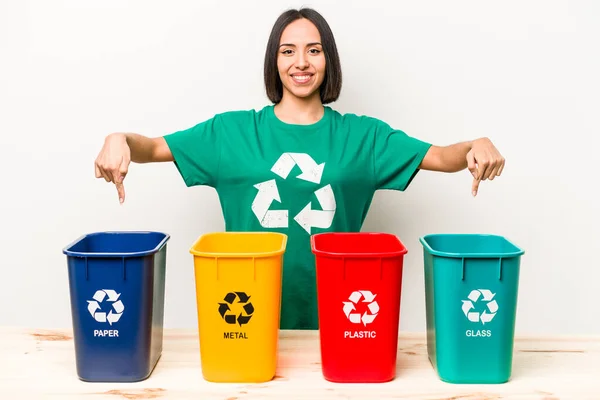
296	179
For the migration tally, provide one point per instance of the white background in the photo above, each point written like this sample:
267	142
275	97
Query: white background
524	73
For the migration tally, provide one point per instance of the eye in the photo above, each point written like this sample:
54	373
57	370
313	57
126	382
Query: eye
286	52
314	51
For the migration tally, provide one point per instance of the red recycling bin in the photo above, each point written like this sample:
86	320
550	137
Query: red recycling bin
359	280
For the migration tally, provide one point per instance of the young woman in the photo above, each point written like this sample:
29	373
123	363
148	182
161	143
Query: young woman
297	166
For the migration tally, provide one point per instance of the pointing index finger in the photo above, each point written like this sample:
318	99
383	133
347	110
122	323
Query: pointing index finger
475	187
121	191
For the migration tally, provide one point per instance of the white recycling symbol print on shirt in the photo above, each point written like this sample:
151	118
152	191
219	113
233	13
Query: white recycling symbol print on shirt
307	218
99	312
350	307
487	297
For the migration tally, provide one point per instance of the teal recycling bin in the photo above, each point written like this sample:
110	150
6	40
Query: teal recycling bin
471	286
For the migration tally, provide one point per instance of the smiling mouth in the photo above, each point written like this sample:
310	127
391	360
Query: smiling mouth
301	78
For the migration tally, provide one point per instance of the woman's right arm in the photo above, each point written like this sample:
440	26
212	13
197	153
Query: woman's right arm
120	149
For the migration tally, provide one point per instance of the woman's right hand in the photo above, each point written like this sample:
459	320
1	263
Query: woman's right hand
113	161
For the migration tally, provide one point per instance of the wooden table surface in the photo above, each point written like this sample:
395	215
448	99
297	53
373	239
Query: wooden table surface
39	364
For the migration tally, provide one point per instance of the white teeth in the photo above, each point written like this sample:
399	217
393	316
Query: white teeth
303	78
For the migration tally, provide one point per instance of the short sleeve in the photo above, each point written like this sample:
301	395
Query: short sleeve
396	157
196	152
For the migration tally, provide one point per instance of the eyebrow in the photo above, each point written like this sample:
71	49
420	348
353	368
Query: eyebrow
293	45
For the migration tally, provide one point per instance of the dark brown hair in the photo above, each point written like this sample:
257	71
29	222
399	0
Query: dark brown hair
332	83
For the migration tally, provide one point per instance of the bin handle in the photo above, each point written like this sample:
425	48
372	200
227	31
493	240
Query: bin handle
380	267
253	268
462	277
500	268
87	270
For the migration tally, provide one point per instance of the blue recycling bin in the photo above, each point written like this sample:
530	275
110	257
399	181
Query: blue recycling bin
117	290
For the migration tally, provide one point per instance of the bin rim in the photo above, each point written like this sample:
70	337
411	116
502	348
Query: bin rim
424	242
264	254
387	254
156	249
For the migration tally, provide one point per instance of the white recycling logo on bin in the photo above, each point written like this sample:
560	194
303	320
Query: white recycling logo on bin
480	296
368	316
99	313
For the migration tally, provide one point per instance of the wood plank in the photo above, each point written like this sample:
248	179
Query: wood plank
40	364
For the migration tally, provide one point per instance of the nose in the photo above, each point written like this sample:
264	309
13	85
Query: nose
301	61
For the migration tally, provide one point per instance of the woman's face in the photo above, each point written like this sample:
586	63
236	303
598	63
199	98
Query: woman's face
300	60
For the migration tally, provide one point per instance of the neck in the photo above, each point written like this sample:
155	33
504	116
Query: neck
302	111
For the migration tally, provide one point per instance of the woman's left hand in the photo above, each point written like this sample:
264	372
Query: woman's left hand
484	161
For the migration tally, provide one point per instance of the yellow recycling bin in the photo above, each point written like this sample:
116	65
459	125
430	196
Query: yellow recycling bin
238	295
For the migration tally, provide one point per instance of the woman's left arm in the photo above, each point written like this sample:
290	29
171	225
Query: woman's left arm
480	156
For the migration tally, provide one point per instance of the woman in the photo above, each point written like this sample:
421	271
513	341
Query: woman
296	167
